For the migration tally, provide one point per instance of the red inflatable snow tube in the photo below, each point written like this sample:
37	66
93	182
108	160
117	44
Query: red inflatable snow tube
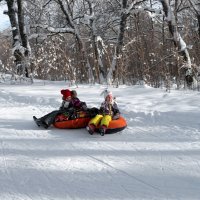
81	120
73	123
115	125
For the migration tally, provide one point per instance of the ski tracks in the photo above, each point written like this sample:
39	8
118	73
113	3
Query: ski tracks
174	141
113	172
11	181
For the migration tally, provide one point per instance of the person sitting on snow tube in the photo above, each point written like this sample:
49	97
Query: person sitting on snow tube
76	103
69	105
75	106
108	111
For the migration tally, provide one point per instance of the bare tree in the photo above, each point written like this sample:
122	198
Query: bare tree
177	39
20	45
126	8
196	8
116	41
22	28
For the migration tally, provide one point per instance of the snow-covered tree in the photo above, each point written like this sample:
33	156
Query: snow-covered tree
195	6
116	41
171	18
21	48
126	7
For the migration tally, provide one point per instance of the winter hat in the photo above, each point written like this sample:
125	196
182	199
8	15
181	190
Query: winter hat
106	92
74	93
66	93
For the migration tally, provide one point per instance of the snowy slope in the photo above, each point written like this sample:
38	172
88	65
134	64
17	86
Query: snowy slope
157	157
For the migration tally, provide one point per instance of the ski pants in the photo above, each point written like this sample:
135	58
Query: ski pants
101	119
50	117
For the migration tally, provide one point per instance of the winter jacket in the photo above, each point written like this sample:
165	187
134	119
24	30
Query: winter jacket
74	103
109	109
64	105
77	104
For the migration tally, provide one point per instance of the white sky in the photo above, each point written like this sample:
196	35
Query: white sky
4	20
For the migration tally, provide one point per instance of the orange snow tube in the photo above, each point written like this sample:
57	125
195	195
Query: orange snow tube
115	125
74	123
62	120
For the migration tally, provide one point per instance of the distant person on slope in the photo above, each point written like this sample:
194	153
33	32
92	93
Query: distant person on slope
108	111
70	104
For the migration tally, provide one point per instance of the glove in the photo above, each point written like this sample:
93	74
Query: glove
84	107
116	116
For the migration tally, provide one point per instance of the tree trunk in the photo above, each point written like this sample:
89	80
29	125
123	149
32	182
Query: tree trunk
20	41
15	31
24	38
198	17
177	39
196	9
67	11
114	66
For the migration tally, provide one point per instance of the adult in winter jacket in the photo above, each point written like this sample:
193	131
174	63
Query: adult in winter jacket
69	104
108	111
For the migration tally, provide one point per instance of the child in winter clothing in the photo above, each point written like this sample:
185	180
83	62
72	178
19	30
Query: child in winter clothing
76	103
68	105
72	101
108	111
66	99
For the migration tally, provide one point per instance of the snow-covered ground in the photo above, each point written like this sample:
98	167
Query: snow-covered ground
156	157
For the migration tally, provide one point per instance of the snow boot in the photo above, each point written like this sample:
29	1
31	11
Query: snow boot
40	123
45	125
37	121
91	128
102	130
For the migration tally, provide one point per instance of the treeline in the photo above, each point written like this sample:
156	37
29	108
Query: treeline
113	42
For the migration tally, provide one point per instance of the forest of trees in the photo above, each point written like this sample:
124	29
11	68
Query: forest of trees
156	42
